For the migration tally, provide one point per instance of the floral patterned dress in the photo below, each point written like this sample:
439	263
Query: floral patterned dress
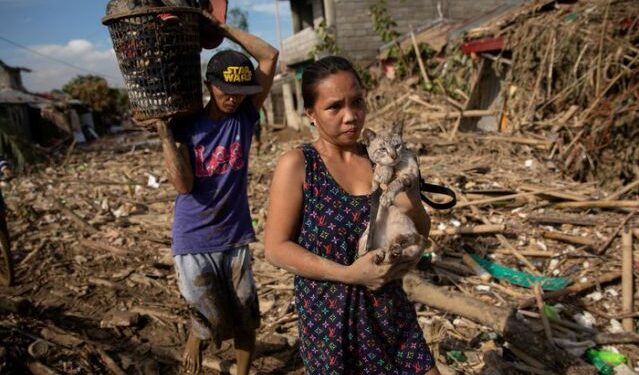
348	329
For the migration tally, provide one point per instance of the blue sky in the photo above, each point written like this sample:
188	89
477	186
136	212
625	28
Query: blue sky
71	31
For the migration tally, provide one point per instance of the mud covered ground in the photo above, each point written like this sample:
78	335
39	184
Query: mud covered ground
96	292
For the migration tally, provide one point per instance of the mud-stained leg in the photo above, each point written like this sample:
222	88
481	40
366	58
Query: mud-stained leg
192	357
245	295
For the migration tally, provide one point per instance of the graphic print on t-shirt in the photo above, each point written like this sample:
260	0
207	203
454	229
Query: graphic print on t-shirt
220	161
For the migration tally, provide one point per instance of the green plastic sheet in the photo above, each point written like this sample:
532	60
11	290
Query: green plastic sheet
520	278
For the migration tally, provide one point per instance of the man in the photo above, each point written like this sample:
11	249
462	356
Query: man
206	159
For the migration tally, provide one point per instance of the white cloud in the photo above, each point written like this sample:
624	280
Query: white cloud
82	56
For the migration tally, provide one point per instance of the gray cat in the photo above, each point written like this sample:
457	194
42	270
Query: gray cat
396	170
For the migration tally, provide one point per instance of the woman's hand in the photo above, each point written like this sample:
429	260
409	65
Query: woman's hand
365	271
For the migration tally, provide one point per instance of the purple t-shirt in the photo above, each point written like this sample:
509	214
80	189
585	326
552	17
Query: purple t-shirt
215	215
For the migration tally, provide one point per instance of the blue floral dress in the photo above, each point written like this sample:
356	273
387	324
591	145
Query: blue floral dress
348	329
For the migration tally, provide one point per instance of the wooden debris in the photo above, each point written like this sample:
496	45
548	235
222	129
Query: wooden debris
38	368
598	204
477	269
475	230
501	320
627	290
61	338
77	220
577	240
574	288
562	219
120	319
540	305
99	246
605	245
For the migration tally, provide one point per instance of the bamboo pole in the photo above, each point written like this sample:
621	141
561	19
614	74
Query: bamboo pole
422	69
574	288
623	190
477	269
544	319
626	279
599	204
477	229
481	202
577	240
612	237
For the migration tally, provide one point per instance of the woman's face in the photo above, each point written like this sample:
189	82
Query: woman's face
340	109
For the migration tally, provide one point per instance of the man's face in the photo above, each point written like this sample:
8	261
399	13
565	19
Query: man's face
227	103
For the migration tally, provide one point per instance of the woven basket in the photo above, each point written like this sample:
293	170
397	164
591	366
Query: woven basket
159	60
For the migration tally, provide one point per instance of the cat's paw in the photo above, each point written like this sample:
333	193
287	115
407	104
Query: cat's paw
395	251
385	200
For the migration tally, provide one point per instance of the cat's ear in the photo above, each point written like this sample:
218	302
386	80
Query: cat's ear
398	128
367	136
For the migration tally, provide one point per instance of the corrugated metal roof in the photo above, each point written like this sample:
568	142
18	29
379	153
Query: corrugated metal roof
17	97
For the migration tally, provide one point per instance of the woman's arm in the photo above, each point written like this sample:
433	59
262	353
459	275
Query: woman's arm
176	159
283	225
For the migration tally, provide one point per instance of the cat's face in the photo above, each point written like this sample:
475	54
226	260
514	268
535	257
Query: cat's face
384	148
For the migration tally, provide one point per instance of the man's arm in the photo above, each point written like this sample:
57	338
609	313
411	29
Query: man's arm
265	54
176	159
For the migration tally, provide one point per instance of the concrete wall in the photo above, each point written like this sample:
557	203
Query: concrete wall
354	28
298	47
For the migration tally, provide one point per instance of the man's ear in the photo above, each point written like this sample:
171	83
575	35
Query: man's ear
367	136
398	128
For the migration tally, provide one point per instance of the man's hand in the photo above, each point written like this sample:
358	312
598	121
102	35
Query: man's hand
163	129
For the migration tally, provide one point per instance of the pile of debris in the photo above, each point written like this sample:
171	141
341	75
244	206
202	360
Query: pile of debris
564	72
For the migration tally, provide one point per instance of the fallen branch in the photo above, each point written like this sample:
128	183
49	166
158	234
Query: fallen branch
501	320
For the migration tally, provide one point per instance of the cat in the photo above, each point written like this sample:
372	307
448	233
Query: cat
396	170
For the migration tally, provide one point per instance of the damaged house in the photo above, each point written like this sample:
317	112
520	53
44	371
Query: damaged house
351	24
40	119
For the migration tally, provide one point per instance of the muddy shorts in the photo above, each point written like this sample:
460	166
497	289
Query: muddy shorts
220	289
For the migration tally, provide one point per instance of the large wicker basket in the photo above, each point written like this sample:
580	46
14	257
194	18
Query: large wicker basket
159	60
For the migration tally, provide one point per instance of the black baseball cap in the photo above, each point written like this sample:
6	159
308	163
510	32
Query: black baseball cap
233	73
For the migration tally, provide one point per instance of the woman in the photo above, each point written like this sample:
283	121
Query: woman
354	317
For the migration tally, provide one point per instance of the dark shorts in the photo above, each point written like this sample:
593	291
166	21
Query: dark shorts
220	289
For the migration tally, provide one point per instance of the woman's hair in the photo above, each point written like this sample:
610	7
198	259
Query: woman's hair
318	71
